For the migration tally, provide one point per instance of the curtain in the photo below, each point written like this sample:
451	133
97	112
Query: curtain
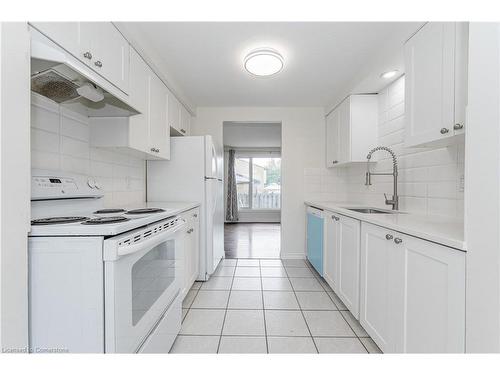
232	192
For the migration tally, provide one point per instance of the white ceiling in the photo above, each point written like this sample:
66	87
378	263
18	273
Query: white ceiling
205	59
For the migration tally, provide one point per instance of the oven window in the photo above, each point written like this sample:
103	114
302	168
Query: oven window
151	276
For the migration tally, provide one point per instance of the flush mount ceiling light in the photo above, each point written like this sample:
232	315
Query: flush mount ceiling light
264	62
389	74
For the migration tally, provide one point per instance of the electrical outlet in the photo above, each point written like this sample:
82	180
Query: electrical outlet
461	184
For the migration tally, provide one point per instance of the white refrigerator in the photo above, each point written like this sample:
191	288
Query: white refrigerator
194	173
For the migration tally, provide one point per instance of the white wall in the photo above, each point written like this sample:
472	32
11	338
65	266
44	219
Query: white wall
256	135
60	141
428	181
302	148
482	196
15	186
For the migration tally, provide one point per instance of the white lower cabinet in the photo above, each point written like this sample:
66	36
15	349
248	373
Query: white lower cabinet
191	249
412	293
341	259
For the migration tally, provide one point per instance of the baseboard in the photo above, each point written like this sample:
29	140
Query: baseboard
293	256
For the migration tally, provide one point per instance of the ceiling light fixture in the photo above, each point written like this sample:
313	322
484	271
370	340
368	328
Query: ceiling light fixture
389	74
263	62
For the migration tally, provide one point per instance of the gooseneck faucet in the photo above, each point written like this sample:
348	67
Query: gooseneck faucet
395	199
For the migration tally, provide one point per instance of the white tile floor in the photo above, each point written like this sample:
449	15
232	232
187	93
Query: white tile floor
268	306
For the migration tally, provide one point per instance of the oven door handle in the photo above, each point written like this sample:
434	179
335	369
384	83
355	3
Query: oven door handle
150	242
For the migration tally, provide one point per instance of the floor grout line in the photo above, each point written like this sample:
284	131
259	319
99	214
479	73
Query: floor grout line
316	276
263	307
225	312
302	312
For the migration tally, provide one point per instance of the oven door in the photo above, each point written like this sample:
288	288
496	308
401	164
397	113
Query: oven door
141	281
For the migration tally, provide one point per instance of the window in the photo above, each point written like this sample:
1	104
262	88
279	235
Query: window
258	181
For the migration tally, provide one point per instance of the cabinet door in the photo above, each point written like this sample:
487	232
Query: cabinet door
348	237
332	138
111	57
330	252
433	307
140	75
174	112
159	134
430	75
345	131
65	34
185	121
377	286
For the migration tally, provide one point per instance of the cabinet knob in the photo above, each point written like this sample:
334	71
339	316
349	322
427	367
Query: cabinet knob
398	240
335	218
335	161
157	150
458	126
444	130
195	215
153	149
87	55
388	237
98	64
183	131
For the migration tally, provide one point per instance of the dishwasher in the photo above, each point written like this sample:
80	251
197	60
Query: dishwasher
315	231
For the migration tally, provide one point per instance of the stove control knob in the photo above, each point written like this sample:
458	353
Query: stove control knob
91	183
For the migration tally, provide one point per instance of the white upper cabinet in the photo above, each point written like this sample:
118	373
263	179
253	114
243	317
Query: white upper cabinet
332	138
140	75
185	121
174	113
159	134
65	34
351	130
98	44
436	83
147	134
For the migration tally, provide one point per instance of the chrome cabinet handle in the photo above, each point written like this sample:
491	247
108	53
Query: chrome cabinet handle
183	131
388	237
458	126
444	130
98	64
155	149
398	240
87	55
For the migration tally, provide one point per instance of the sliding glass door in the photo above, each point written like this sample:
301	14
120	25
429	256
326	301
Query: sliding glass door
258	180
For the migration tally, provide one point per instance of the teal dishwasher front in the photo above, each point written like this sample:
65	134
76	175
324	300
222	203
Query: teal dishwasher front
315	230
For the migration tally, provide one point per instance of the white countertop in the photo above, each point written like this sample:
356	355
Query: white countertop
79	229
443	230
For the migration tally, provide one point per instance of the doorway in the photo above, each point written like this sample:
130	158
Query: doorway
252	189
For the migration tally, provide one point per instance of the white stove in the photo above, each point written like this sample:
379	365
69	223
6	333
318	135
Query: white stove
101	280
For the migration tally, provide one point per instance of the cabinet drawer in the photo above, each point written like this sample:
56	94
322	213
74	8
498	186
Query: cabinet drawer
163	335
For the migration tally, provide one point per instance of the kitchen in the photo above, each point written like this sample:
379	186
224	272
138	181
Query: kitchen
388	207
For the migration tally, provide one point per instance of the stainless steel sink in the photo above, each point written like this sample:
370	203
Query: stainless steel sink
371	211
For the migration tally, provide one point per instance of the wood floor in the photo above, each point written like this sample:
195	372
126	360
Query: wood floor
252	240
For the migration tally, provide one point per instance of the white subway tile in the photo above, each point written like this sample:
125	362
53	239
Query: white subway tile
42	140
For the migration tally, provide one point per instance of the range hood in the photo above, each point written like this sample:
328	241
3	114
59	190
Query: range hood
59	76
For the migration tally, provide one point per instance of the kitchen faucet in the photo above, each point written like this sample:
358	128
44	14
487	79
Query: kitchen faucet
395	199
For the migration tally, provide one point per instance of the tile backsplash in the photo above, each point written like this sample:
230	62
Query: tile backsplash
60	142
429	180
